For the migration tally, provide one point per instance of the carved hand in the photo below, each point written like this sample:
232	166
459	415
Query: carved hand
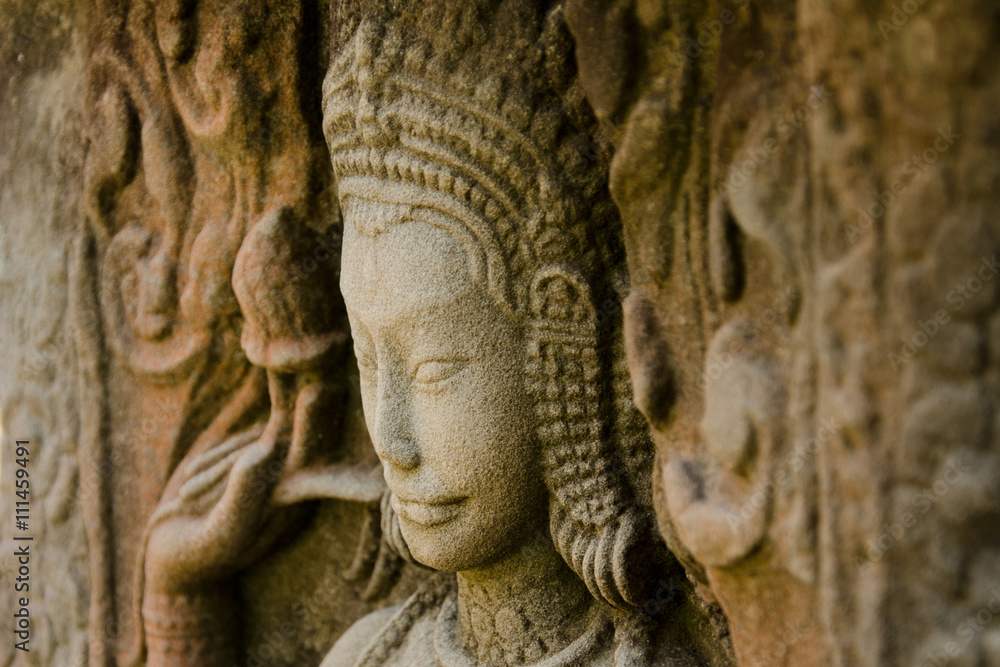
217	518
189	547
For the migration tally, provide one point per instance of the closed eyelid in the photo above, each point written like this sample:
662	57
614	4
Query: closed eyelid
431	371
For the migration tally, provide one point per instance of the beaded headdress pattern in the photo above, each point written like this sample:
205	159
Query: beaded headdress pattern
498	156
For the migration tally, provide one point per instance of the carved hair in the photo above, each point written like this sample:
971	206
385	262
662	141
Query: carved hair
498	163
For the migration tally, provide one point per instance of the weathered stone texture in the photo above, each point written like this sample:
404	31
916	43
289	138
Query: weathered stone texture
43	58
818	381
770	226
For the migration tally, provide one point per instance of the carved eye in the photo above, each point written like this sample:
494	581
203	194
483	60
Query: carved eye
438	370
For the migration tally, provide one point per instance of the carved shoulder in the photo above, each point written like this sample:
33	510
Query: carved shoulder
350	645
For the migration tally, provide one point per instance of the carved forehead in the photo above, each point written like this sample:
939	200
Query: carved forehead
397	264
372	207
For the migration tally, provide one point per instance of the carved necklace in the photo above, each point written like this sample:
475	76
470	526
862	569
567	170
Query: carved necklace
450	652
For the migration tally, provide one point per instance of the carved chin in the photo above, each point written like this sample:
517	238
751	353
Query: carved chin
436	546
457	544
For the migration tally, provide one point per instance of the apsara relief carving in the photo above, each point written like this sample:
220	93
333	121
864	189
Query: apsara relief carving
502	332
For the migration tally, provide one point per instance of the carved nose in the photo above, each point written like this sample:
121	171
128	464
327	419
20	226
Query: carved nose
154	316
398	453
393	436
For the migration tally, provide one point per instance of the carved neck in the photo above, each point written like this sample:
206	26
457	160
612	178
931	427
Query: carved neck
523	608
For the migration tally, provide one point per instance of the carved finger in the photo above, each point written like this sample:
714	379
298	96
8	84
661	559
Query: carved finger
604	567
204	481
304	432
207	459
626	538
351	482
720	528
369	542
237	516
589	571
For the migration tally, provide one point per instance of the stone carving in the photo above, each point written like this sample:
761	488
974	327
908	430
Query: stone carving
766	310
42	63
765	227
497	403
210	260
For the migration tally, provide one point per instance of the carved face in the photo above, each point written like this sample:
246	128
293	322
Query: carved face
443	391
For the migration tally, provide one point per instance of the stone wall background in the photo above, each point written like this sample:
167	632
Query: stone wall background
42	66
810	193
44	393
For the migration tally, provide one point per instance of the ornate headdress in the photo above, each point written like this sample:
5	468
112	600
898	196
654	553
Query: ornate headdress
509	155
512	160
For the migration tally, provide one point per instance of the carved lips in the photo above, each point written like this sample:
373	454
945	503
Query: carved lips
428	513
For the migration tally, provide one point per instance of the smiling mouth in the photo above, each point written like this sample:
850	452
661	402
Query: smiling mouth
428	513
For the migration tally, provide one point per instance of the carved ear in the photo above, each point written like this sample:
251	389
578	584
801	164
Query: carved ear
561	297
